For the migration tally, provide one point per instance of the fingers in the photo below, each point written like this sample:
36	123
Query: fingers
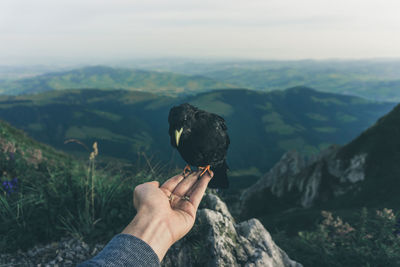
182	188
199	188
171	183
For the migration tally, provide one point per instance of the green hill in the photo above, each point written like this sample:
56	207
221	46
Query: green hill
365	85
128	124
112	78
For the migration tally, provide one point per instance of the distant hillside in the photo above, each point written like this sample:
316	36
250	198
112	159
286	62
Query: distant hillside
262	126
112	78
363	84
375	79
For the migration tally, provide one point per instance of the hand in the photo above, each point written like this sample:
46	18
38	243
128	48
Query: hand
163	214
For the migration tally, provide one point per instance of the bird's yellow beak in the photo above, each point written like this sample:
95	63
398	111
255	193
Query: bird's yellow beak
178	136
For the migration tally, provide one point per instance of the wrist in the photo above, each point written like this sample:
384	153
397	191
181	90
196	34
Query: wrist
153	230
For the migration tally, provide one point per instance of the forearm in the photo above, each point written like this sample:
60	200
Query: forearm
152	230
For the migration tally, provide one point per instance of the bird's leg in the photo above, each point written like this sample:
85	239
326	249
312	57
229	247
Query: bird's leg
187	169
206	168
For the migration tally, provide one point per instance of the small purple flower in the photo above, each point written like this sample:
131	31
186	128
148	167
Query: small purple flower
10	186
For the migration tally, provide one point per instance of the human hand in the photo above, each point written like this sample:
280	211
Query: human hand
165	214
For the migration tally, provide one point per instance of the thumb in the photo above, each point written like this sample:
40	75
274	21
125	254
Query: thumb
154	183
140	190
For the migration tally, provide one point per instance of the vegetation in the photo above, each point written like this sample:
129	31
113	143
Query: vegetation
371	239
45	195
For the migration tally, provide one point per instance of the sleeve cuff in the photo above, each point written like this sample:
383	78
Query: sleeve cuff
124	250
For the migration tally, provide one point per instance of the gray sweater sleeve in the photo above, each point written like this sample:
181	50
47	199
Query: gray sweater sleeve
124	250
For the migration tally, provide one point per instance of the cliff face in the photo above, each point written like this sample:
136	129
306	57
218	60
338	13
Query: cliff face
318	179
363	173
216	240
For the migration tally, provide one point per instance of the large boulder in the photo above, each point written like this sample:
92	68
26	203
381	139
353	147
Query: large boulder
216	240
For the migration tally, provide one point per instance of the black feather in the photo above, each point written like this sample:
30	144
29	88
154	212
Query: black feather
204	140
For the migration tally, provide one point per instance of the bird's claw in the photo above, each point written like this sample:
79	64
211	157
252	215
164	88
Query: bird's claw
207	168
187	170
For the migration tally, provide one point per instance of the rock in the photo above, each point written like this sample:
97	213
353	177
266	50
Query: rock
258	243
66	252
213	202
290	164
216	240
293	175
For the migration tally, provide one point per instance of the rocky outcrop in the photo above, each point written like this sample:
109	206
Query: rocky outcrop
66	252
216	240
319	178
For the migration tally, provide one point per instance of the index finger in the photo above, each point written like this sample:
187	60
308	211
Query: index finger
171	183
199	188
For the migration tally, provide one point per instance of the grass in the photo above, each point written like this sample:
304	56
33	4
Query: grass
55	195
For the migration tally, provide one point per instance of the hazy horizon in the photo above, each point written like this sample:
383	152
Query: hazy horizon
101	32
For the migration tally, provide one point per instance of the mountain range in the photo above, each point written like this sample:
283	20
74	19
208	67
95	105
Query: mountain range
365	85
371	79
102	77
126	124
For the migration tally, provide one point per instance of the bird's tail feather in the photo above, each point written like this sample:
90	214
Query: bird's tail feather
220	179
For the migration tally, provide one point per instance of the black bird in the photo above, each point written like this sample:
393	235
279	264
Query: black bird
202	140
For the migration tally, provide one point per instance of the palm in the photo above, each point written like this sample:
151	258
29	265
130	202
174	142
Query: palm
168	201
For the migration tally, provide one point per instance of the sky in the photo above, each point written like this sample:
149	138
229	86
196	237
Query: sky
83	31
